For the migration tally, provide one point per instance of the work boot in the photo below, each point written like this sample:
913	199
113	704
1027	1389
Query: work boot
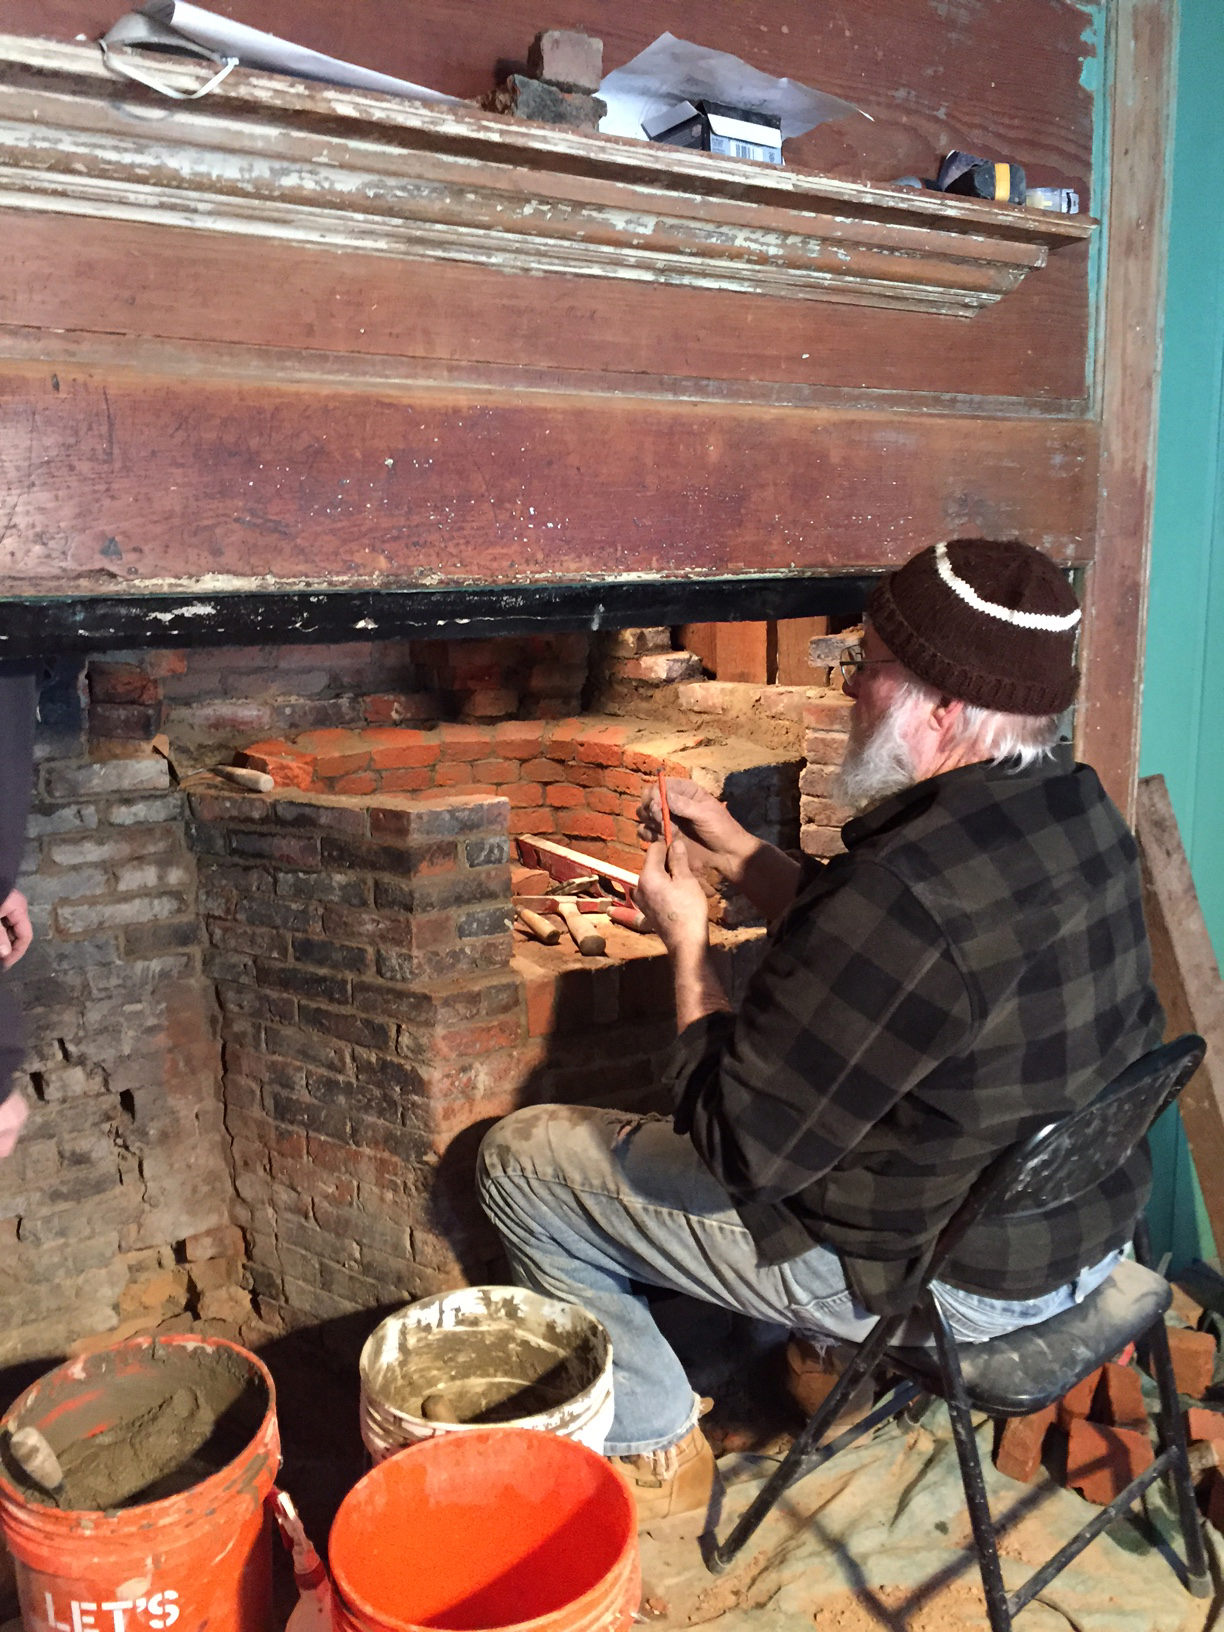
812	1371
677	1479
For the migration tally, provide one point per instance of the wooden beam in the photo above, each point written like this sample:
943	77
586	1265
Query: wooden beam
1143	54
1188	980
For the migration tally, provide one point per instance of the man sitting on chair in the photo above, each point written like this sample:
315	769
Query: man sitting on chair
975	965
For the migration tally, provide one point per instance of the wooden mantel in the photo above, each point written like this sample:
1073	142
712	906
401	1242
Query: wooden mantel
292	362
319	167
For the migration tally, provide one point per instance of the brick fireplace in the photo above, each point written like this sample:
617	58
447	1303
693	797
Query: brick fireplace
268	1031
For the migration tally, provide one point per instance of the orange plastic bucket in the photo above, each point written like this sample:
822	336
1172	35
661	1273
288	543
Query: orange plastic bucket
160	1544
501	1527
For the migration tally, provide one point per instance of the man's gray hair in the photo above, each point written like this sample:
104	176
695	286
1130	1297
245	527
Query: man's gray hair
1018	740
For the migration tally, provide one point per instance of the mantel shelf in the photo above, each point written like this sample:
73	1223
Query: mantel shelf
333	169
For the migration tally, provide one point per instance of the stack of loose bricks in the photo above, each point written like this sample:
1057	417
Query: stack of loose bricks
1105	1422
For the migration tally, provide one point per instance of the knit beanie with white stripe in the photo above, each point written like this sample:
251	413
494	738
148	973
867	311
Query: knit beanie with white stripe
991	623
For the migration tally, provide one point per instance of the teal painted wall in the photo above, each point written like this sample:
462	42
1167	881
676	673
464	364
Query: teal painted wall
1183	696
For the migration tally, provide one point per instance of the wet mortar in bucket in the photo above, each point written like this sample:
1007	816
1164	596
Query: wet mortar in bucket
153	1434
490	1358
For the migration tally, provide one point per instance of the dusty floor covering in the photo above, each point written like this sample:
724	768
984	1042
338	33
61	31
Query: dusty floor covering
877	1542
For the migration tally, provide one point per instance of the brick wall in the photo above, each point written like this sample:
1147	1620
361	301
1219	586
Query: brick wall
123	1160
361	951
211	701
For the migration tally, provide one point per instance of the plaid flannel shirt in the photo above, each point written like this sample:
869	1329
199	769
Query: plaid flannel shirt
976	965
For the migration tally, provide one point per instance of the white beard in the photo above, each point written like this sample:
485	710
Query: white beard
876	768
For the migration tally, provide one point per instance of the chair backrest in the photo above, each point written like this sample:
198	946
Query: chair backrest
1065	1158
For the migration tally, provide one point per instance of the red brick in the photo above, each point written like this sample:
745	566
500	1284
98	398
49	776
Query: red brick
415	748
452	773
1193	1360
392	707
821	841
589	824
1102	1461
529	881
122	683
331	739
564	796
586	776
627	834
605	744
645	763
331	765
825	747
1204	1424
544	770
406	781
540	988
518	739
1077	1402
533	820
821	812
489	703
465	741
359	782
496	770
222	1241
831	713
602	800
522	795
1019	1452
630	783
1120	1399
564	738
286	770
477	1041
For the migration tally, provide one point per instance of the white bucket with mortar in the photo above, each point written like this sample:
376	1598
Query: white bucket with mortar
480	1356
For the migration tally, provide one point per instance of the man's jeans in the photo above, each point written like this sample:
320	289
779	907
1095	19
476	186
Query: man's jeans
590	1202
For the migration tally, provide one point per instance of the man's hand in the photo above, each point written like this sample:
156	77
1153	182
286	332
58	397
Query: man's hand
671	896
716	839
767	876
15	931
13	1113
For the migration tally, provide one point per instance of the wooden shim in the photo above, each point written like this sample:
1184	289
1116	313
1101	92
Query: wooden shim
562	863
1188	980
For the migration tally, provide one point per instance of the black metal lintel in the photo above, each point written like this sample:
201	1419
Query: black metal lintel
44	625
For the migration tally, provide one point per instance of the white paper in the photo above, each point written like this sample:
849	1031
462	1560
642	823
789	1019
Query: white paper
255	49
672	71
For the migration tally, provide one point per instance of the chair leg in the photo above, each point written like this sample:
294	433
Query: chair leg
976	1499
1173	1439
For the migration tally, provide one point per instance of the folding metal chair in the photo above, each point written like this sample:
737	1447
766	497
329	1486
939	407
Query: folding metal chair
1022	1372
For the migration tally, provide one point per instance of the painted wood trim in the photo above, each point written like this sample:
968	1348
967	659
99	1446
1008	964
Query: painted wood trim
269	158
1142	51
1188	981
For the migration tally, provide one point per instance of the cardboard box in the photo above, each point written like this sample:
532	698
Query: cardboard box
715	127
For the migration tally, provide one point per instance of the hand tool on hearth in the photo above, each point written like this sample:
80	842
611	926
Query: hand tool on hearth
588	941
552	903
538	928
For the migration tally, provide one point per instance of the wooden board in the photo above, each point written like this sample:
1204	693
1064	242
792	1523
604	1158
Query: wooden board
1188	980
794	640
1127	390
112	478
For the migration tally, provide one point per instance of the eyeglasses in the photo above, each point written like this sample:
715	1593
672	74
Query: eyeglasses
852	660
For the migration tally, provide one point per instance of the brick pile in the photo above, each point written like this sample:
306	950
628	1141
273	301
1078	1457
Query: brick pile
123	1160
1106	1429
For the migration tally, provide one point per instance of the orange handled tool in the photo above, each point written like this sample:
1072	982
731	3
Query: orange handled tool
667	824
